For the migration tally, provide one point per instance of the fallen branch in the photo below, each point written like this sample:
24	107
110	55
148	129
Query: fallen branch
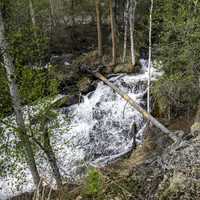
145	114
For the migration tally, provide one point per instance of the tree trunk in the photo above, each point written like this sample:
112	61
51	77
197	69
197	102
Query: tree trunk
51	14
125	30
145	114
10	70
51	158
72	14
32	13
149	60
133	5
98	14
113	30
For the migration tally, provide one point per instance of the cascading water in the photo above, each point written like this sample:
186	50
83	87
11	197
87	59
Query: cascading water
99	129
94	132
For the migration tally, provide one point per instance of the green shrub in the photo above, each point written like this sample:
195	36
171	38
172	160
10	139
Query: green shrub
177	92
93	186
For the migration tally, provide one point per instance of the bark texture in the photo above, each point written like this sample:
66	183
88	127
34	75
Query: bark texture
99	33
149	60
52	158
32	13
113	30
126	15
133	4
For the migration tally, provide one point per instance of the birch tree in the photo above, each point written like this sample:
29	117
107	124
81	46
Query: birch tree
16	103
126	15
133	4
32	13
99	33
149	60
113	30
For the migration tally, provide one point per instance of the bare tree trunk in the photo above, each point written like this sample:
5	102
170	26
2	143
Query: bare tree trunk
126	12
51	158
98	14
51	13
131	102
72	13
32	13
133	5
149	60
113	30
10	70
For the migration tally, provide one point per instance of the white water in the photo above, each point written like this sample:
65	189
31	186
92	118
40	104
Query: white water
98	132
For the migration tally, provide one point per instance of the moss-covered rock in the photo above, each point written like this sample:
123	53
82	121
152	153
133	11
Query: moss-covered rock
84	85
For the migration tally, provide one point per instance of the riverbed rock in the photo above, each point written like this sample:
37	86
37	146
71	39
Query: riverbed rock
84	85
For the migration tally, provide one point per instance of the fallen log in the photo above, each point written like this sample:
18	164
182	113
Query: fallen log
145	114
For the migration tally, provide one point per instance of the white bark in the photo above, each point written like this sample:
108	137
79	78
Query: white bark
113	30
149	60
10	71
133	5
99	33
126	12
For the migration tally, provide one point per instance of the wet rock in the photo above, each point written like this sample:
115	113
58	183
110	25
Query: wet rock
85	85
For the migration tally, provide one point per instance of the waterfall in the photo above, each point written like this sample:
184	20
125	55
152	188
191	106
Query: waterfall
94	132
99	127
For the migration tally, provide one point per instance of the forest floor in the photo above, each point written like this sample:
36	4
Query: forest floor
158	170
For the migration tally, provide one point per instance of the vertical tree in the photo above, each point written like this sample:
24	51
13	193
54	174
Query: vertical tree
51	13
126	14
113	30
10	71
32	13
99	33
133	4
149	60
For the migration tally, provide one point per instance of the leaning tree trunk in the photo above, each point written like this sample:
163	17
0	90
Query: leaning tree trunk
131	102
125	30
113	30
132	29
52	158
10	70
99	33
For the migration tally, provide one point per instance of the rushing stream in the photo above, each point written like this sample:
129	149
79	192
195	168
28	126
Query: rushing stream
94	132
